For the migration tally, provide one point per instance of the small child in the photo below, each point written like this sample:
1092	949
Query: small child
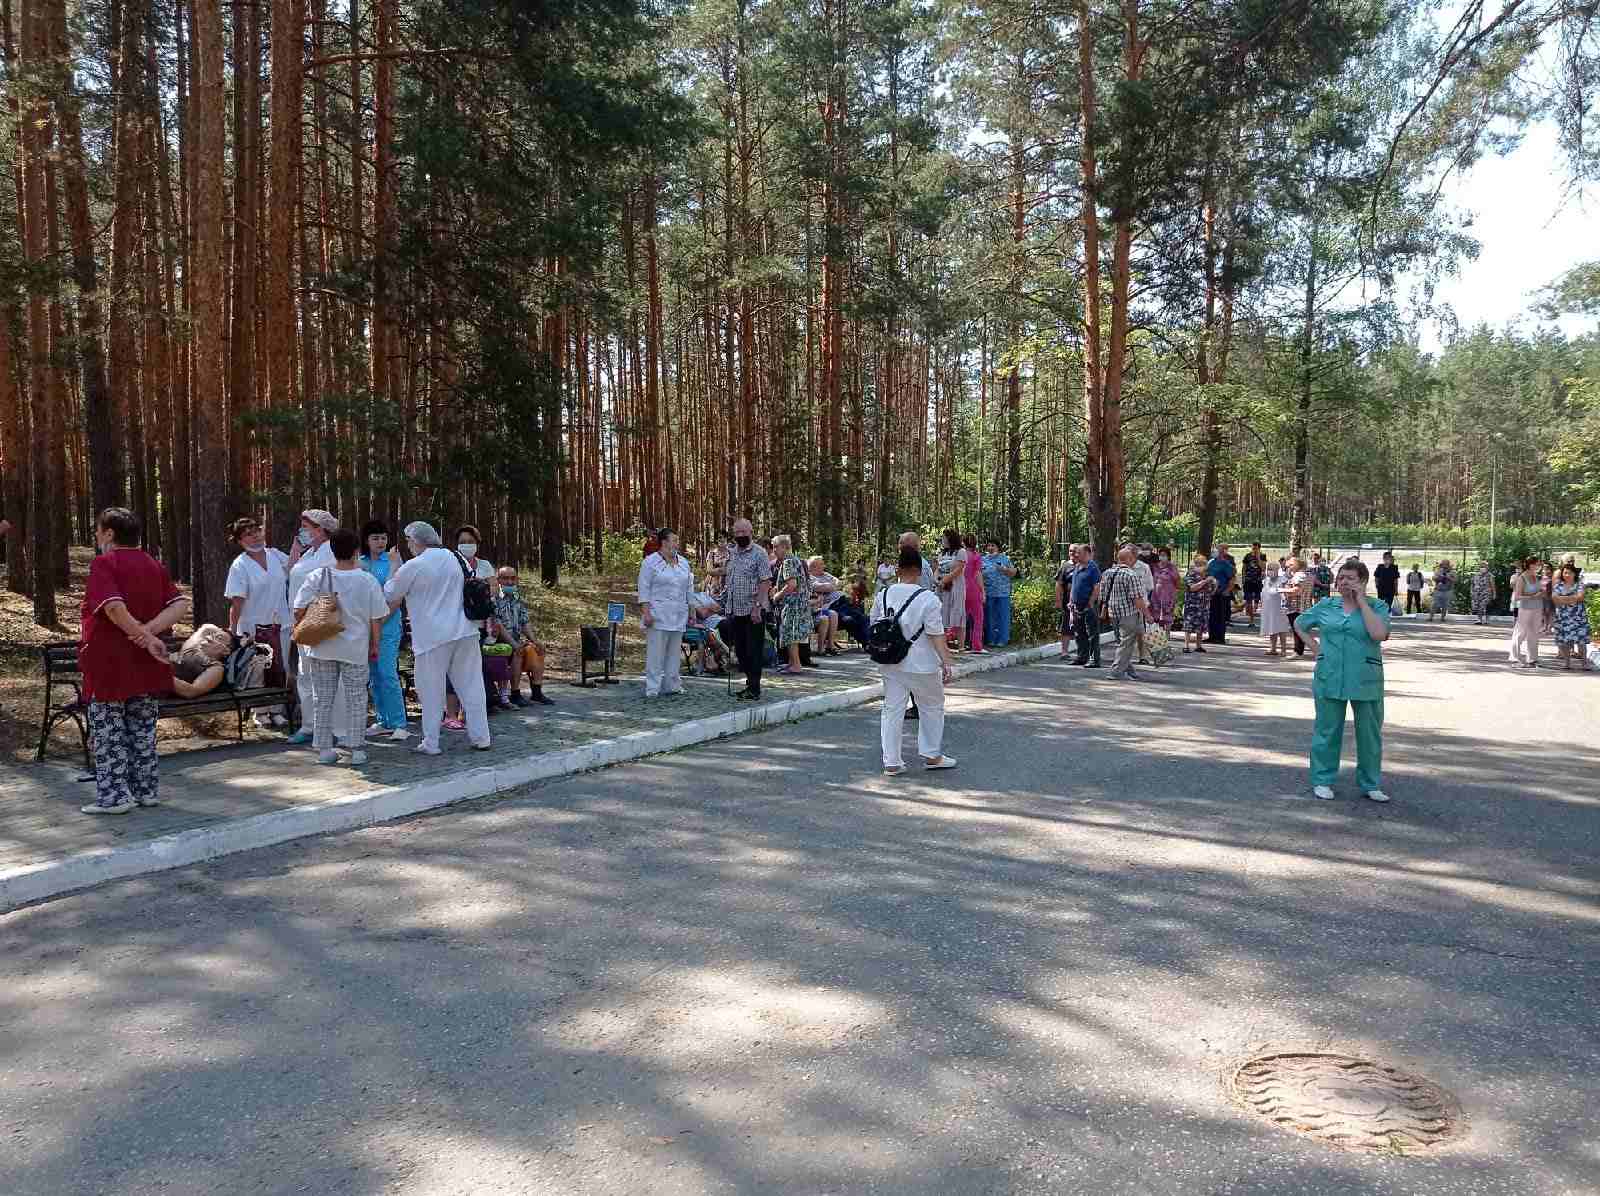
1274	615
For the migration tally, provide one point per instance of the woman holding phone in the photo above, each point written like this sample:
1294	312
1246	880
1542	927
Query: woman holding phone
1346	631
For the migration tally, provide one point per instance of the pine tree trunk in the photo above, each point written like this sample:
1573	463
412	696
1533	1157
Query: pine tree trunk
210	279
283	235
239	430
1096	495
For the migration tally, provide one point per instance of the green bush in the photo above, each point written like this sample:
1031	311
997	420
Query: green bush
1034	617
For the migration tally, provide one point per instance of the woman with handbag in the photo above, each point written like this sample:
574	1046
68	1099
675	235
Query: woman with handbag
307	554
338	616
258	603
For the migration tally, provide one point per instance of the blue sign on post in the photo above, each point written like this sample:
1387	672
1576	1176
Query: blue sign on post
616	612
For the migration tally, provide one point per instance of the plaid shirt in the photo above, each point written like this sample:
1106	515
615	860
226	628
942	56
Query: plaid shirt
511	612
748	570
1122	589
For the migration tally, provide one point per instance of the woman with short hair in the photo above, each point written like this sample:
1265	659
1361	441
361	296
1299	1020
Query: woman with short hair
258	603
1444	588
341	663
1346	631
1527	595
309	553
666	585
792	600
1484	592
1197	589
1572	628
380	562
128	605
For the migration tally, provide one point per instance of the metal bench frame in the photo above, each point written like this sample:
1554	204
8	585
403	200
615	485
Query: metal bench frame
61	669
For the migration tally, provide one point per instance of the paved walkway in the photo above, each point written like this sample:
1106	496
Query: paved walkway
759	966
202	785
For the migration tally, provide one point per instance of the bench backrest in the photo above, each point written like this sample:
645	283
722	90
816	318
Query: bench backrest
61	659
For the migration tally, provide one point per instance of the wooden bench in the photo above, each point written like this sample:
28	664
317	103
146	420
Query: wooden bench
61	671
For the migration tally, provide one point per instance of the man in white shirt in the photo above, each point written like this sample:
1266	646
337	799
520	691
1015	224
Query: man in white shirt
665	585
310	553
923	673
443	641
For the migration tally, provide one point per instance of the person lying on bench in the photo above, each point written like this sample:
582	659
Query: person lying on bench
200	666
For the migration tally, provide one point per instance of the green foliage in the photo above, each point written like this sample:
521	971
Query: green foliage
1034	617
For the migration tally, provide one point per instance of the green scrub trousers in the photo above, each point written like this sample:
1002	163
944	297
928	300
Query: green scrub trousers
1327	742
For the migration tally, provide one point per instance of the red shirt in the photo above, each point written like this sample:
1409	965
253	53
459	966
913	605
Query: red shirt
114	668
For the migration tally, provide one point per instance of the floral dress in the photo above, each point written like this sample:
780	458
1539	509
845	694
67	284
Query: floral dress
1572	622
1482	592
1197	587
795	620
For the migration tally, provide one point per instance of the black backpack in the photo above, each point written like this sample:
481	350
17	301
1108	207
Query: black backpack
886	641
477	600
240	657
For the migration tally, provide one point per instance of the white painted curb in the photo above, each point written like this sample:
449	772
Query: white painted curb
37	882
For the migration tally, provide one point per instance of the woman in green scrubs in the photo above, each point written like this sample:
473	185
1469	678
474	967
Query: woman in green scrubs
1345	631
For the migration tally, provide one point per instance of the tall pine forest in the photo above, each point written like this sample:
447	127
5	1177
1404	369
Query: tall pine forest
571	270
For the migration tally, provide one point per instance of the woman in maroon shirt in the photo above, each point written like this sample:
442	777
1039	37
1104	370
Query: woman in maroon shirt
129	603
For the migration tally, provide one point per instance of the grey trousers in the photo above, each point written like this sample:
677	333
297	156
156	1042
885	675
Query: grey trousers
1132	627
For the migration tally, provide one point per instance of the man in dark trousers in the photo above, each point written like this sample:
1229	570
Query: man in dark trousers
744	601
1387	578
1084	580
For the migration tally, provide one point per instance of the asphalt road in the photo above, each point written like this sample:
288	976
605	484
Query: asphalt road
761	967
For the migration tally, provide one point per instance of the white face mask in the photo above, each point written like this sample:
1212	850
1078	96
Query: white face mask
305	537
467	549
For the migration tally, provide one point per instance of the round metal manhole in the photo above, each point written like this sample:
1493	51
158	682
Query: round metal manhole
1349	1103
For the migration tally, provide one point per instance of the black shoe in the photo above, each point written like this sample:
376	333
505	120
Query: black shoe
518	700
1093	664
1078	664
538	696
496	706
912	715
744	695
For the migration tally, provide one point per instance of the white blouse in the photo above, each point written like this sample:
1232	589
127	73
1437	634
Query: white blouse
264	588
666	588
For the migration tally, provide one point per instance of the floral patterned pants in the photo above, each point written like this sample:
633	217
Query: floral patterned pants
122	736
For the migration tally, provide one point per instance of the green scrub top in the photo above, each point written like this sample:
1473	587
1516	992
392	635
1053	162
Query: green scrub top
1350	665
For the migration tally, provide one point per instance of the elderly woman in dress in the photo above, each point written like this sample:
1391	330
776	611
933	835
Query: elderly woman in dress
1572	628
257	591
791	599
825	597
1484	592
200	665
952	586
1444	589
1198	586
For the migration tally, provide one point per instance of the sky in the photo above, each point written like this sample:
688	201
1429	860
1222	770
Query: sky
1529	232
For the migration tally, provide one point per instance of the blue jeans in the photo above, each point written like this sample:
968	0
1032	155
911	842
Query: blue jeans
384	676
997	621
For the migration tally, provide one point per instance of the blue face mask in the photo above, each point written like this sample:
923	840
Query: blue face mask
305	537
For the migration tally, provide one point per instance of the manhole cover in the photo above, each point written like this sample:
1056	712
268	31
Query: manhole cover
1348	1102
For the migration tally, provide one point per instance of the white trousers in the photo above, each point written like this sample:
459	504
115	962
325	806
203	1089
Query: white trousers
1525	633
663	661
305	685
462	662
898	687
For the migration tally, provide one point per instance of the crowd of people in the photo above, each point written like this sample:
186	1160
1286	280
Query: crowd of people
758	605
328	617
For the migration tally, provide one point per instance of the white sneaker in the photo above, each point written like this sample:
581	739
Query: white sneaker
358	757
376	731
122	807
264	721
941	762
423	749
1377	795
1322	793
398	735
894	770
